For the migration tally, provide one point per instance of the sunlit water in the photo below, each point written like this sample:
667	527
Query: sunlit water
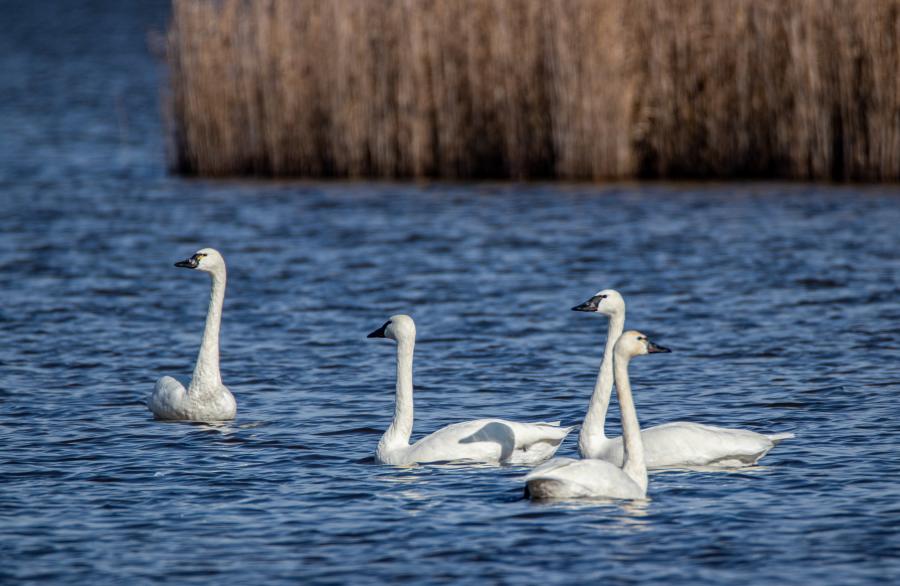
780	303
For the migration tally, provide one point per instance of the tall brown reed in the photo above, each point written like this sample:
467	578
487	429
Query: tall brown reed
574	89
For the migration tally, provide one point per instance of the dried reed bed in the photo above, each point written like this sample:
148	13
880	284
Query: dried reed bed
574	89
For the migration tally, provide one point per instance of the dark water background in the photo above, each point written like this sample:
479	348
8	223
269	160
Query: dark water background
780	302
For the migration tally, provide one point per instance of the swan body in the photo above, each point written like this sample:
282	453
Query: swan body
569	478
685	444
671	445
206	398
565	478
171	401
482	440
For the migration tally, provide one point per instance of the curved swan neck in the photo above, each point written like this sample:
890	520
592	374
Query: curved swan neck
633	465
401	427
206	372
593	434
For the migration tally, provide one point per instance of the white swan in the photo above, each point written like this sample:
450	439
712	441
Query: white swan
570	478
483	440
206	398
670	445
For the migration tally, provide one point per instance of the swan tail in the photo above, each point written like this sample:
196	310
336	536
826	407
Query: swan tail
777	437
555	431
541	431
538	444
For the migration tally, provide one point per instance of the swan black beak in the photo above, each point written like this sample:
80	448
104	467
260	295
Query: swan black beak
590	305
379	333
654	348
190	263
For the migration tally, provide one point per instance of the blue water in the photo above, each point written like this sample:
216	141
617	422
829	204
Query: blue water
779	301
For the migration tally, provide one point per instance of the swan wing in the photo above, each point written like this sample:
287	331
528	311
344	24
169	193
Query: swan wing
481	440
532	433
683	443
490	440
563	478
686	444
549	466
535	442
167	397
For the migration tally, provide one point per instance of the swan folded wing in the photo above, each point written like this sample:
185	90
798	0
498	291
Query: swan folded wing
535	442
490	440
531	443
568	478
683	443
482	440
547	467
527	434
167	396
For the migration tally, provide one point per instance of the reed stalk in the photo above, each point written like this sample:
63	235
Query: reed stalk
531	89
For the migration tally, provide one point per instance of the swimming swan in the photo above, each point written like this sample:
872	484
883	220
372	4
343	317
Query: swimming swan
669	445
483	440
570	478
206	398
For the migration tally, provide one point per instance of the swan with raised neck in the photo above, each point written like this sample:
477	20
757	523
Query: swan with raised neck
570	478
206	397
592	440
670	445
482	440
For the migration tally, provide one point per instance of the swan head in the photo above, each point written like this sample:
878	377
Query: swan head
399	327
205	259
608	302
633	343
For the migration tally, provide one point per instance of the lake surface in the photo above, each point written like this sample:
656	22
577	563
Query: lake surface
780	303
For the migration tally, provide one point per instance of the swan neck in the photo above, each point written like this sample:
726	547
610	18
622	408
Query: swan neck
633	464
206	372
593	432
399	432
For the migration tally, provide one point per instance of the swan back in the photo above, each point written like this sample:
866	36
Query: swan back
565	478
